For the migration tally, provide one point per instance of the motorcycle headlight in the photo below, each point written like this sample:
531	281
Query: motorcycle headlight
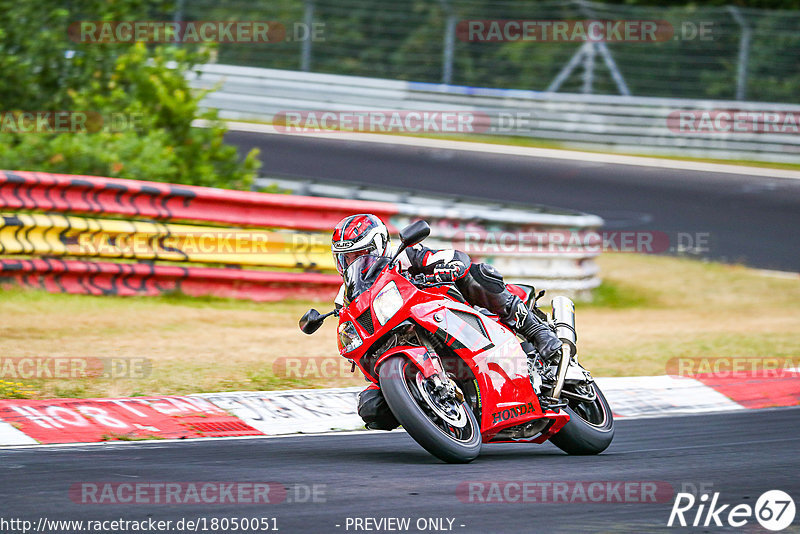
387	303
348	337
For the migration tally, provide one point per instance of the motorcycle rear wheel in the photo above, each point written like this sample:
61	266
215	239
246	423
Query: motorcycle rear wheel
399	383
590	428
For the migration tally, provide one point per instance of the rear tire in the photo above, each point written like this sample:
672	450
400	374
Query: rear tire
397	380
590	429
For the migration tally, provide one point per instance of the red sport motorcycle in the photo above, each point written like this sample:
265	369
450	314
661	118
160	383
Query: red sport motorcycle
454	376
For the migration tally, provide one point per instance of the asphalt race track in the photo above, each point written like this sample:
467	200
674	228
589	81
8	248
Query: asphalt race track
739	454
753	220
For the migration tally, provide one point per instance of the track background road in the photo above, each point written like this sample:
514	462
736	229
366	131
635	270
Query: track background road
748	219
381	474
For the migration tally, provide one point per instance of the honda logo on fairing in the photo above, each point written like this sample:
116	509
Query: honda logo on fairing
509	413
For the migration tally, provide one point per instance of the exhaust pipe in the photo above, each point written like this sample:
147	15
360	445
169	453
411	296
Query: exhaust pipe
564	322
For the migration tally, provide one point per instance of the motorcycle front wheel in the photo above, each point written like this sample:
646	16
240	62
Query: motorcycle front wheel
590	428
446	428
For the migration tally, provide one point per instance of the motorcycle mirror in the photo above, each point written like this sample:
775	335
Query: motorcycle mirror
410	236
311	321
414	233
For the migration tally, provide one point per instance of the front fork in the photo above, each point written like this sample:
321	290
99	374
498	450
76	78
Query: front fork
443	384
427	361
445	387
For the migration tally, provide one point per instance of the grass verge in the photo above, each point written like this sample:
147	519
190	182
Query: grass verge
648	310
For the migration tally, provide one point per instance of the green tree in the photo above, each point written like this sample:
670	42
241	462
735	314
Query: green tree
45	70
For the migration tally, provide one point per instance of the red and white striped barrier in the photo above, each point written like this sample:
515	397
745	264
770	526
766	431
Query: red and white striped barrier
143	279
92	420
88	207
154	200
134	200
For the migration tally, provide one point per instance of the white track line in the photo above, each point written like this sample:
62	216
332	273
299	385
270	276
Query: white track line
157	442
511	150
789	275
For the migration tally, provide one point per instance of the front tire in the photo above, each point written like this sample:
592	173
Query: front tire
399	383
590	429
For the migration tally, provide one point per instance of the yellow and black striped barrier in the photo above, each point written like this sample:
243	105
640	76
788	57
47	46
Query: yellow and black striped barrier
68	235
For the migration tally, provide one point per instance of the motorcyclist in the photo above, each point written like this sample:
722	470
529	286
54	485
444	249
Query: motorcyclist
479	283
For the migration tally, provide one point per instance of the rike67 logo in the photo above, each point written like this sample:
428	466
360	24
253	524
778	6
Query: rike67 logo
774	510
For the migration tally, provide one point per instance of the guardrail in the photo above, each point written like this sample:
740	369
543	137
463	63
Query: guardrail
529	244
69	235
50	224
95	235
155	200
609	122
145	279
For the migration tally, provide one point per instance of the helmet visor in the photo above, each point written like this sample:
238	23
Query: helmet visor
362	274
345	259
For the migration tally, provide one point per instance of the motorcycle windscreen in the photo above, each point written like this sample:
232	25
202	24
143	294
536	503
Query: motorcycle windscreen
361	274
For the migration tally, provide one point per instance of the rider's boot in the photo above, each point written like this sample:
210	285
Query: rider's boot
532	328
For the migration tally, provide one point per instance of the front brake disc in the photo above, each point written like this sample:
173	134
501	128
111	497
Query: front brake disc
457	419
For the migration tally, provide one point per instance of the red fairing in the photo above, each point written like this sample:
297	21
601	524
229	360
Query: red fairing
493	354
418	355
518	291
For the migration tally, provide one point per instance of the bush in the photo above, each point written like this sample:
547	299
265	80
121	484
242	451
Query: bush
48	72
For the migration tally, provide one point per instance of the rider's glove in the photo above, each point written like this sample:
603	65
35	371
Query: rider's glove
440	275
446	273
